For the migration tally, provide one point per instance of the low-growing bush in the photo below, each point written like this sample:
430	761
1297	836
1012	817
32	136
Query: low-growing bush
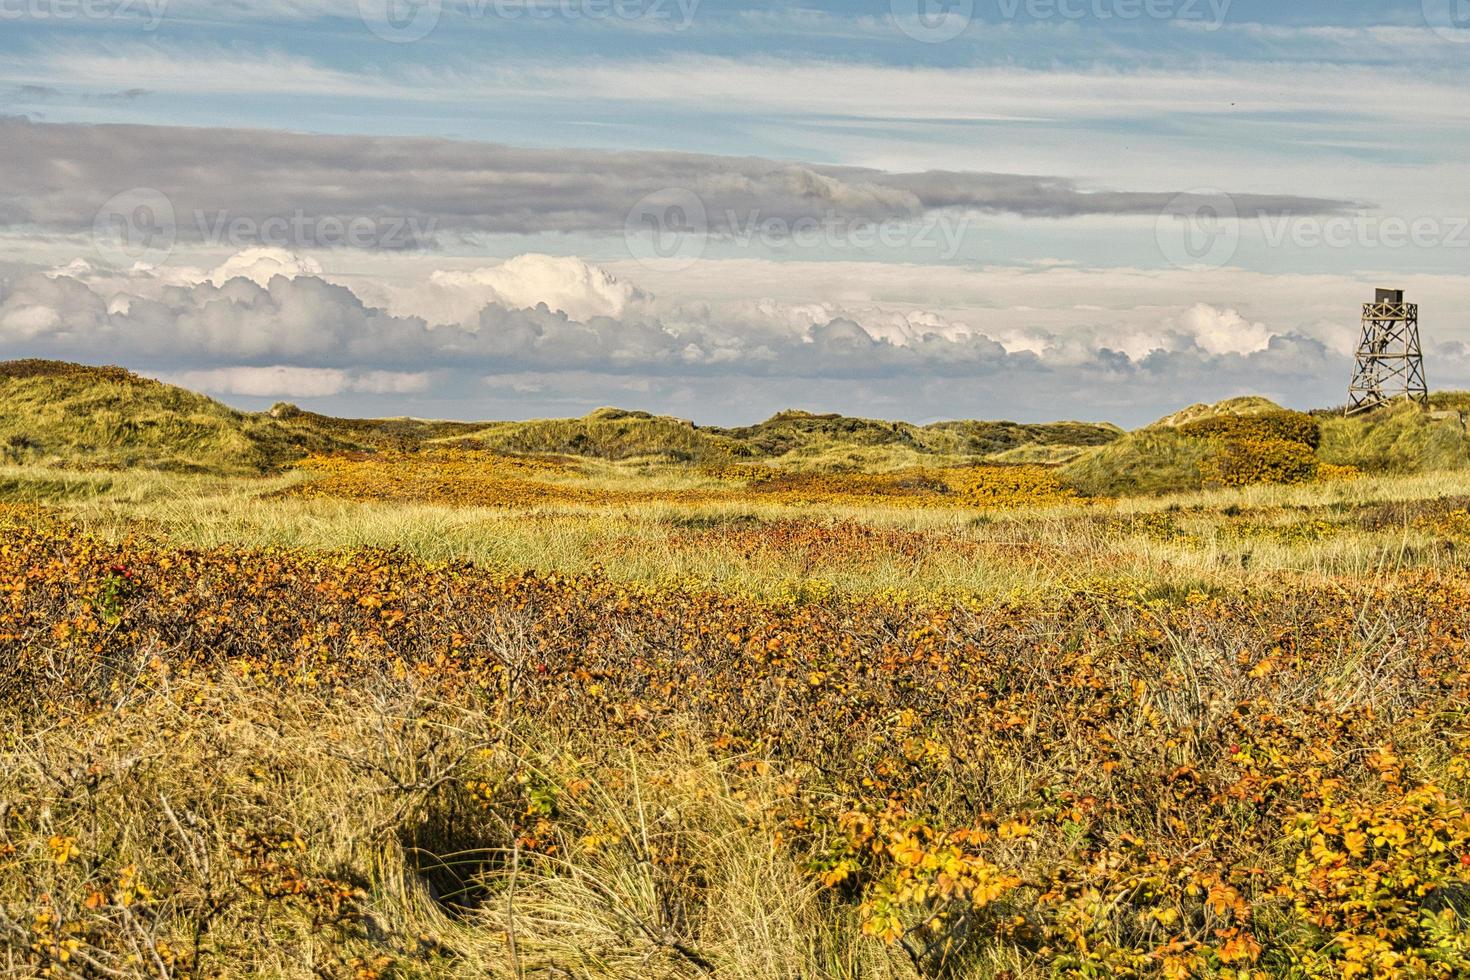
1277	426
1246	461
234	762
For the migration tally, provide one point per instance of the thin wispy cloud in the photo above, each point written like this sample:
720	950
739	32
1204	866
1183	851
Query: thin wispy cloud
976	93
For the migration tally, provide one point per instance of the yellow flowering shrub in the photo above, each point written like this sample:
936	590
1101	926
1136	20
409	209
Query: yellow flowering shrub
1242	462
1385	885
1097	783
1333	472
1280	426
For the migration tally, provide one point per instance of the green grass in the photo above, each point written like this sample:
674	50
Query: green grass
73	416
1201	540
613	434
1245	405
68	416
1165	457
1398	439
107	418
797	439
1149	461
795	435
324	432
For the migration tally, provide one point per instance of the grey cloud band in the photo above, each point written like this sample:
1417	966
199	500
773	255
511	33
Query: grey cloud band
321	189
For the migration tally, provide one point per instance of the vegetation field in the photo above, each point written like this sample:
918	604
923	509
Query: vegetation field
621	696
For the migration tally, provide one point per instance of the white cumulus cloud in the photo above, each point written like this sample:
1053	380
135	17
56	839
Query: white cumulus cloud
1223	331
564	283
260	265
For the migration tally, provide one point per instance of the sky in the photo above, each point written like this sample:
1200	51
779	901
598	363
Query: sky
718	209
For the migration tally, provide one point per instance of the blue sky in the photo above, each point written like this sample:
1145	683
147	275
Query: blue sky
1025	159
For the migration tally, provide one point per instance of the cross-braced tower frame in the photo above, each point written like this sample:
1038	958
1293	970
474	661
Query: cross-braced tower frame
1389	364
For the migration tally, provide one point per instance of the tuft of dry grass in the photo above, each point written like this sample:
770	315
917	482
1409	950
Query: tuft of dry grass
218	828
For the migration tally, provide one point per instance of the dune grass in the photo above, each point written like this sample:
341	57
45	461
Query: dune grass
72	415
439	885
1204	540
601	785
1172	456
112	419
1400	439
663	719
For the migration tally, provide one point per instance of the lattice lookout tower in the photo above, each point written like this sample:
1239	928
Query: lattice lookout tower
1389	362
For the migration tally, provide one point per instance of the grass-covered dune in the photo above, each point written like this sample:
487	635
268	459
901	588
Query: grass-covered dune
625	697
1402	439
66	414
109	418
1254	440
69	416
801	439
